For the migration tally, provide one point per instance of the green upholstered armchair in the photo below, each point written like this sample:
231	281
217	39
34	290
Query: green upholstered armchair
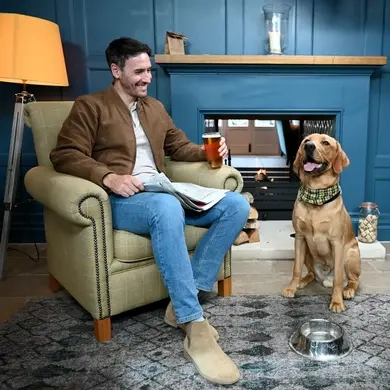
107	271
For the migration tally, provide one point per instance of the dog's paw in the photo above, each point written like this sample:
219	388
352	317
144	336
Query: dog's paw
288	293
305	281
348	293
302	283
337	306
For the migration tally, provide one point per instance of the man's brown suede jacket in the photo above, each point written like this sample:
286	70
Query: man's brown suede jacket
97	138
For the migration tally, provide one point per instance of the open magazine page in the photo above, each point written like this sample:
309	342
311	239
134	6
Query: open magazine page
159	184
155	184
191	196
198	193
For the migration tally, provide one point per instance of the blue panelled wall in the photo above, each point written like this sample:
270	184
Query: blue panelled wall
318	27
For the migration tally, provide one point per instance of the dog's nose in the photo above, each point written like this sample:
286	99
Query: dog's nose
309	146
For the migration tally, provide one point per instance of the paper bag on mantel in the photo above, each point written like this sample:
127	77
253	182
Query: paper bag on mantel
174	43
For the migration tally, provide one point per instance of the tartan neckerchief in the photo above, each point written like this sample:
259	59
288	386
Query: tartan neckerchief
320	196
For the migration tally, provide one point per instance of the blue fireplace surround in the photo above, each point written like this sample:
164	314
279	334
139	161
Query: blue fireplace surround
344	91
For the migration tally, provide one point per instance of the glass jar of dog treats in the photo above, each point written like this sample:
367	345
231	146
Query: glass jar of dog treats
368	222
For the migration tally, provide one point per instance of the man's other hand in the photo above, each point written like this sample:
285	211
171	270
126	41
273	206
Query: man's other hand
124	185
223	149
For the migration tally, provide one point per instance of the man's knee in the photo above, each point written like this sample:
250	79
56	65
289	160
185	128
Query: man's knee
167	207
235	201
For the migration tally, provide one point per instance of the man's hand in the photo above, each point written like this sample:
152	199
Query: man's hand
125	185
223	149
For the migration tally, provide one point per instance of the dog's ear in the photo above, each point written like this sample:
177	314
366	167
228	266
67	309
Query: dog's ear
341	160
298	160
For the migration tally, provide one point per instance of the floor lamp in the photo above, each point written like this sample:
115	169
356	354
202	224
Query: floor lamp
31	53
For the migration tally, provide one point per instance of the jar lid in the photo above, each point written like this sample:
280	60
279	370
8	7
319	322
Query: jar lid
369	205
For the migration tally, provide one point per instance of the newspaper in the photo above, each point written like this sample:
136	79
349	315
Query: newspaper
191	196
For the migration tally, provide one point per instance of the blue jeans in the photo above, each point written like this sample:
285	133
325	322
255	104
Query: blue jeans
162	217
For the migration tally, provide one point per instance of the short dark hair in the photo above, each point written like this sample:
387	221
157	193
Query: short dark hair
121	49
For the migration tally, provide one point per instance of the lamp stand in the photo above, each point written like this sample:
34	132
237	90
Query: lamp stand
13	167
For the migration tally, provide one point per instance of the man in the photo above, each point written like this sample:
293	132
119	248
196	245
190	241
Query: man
117	139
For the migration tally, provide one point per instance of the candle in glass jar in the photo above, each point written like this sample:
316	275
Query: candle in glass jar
274	42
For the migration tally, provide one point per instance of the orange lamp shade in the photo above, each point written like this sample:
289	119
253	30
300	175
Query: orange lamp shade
31	51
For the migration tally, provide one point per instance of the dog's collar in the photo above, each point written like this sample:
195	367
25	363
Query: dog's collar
320	196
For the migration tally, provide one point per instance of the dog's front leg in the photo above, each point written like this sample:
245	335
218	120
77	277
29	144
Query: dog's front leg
300	254
337	302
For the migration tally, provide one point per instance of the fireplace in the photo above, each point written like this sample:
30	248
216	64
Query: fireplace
200	90
263	148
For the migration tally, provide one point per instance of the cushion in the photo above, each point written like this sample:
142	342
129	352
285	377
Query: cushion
129	247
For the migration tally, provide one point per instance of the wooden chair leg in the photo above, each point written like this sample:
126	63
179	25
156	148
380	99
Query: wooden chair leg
225	287
53	284
102	329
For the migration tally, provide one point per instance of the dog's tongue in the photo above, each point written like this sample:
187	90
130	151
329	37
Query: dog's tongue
309	166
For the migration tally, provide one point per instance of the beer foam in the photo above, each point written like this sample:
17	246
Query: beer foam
211	135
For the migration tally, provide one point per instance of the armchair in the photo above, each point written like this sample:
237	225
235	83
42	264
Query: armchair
107	271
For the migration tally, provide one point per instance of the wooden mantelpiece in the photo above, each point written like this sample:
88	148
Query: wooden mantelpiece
269	60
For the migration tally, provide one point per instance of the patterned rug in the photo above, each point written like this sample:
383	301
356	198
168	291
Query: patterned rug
50	344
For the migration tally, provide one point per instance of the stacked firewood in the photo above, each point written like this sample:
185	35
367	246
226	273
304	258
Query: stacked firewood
250	231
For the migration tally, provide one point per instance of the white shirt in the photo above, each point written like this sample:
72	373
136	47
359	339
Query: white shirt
144	166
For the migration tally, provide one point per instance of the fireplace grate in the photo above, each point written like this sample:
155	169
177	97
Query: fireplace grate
274	200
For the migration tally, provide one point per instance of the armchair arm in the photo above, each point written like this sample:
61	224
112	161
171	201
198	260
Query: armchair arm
72	198
199	173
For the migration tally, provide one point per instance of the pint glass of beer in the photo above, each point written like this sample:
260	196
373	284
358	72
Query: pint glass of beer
211	145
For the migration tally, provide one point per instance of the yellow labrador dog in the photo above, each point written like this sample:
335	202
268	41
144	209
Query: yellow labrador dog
324	237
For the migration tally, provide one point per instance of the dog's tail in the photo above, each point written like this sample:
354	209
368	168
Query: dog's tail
324	275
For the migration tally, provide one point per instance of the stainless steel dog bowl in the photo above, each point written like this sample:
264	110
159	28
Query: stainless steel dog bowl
320	339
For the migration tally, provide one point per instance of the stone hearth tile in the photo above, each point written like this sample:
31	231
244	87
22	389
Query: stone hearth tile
251	267
369	265
257	284
265	267
381	265
375	283
276	243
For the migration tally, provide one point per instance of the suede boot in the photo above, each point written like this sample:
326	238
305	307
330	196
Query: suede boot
170	319
211	362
